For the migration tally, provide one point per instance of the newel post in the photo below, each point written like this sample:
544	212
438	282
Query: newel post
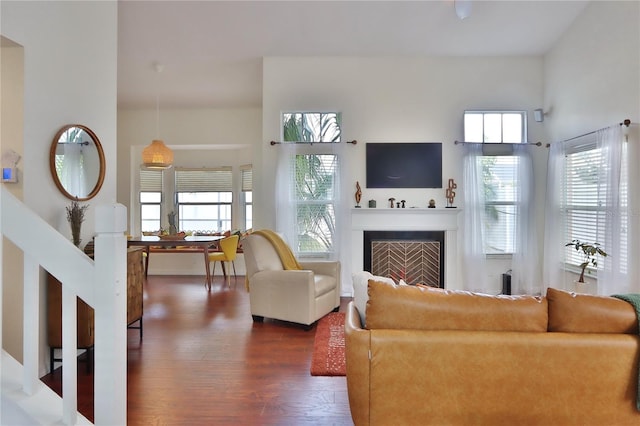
110	379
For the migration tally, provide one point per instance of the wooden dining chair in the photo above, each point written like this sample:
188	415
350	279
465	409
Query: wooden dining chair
227	253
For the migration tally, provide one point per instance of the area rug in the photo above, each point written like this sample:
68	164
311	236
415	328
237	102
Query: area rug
328	348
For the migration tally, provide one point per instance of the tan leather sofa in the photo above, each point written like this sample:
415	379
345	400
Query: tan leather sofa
432	356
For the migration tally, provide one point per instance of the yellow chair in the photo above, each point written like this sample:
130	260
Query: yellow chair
228	247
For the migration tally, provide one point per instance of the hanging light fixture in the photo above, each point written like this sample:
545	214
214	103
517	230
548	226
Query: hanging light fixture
463	8
157	155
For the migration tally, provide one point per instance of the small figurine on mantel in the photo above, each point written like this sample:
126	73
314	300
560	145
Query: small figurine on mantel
391	200
358	194
451	194
432	203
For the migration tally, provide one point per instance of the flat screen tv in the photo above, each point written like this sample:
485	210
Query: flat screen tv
404	165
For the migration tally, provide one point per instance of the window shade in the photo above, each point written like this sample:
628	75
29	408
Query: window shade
247	178
150	180
204	180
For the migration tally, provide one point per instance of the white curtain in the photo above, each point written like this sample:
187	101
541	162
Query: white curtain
286	212
73	177
612	228
474	274
525	277
613	223
286	215
554	221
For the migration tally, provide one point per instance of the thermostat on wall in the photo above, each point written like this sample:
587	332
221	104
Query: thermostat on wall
10	174
10	160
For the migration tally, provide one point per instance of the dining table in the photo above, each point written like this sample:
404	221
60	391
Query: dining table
204	242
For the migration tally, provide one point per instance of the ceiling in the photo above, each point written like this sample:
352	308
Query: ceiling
211	51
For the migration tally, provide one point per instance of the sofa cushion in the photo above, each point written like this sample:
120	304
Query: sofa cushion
360	296
586	313
427	308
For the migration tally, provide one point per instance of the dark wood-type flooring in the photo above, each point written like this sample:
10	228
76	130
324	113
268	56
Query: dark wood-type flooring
202	361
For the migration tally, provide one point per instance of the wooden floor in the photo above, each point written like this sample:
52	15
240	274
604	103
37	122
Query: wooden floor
202	361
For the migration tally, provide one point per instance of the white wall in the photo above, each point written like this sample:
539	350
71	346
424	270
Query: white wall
70	74
592	75
11	117
398	99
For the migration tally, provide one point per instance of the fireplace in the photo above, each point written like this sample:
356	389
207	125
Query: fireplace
414	221
413	256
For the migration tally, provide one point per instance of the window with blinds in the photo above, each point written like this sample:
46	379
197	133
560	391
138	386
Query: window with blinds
204	199
312	180
246	174
500	174
315	177
150	199
586	198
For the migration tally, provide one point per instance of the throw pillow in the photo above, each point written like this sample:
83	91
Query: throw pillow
360	292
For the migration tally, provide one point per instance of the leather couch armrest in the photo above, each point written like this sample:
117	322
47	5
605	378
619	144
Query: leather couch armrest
357	343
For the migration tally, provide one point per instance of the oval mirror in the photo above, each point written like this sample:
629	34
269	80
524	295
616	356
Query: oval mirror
77	162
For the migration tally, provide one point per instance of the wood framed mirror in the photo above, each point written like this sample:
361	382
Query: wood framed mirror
77	164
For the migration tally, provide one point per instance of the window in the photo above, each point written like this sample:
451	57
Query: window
495	126
313	180
501	194
311	127
499	173
247	195
585	197
203	198
150	199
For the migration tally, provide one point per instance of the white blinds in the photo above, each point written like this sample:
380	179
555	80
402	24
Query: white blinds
586	198
150	180
247	178
204	180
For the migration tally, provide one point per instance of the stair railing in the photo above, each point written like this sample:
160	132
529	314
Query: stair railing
100	283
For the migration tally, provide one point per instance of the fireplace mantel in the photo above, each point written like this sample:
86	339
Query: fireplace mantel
408	219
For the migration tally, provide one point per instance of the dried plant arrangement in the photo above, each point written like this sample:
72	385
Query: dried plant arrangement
75	217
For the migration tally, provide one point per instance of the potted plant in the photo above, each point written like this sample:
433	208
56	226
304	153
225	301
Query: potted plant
590	251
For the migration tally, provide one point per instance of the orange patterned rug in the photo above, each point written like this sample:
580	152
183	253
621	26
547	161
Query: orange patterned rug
328	349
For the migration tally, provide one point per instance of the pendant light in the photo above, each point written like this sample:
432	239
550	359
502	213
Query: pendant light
157	155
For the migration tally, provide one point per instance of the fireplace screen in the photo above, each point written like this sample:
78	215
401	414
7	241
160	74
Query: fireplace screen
417	257
413	261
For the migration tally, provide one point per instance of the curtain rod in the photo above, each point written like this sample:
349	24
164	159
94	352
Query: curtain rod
309	143
74	143
497	143
626	122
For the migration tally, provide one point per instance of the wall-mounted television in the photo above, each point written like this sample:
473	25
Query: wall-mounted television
404	165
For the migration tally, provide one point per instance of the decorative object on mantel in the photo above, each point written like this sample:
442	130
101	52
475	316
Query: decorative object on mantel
358	194
432	203
372	204
451	194
391	200
75	217
402	201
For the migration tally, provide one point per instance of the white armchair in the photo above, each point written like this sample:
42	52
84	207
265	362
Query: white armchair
300	296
